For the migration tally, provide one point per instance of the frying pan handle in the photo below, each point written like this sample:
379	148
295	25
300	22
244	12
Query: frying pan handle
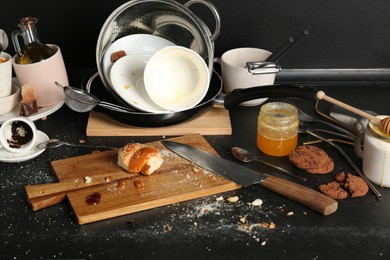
238	96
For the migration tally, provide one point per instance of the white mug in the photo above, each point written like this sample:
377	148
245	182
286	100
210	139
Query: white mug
5	75
235	75
375	154
41	76
18	134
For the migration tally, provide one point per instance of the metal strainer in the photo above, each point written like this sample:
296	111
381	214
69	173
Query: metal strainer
82	101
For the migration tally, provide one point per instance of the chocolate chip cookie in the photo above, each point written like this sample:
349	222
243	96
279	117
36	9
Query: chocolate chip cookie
311	159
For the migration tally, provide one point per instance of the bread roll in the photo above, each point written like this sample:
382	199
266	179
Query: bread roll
139	158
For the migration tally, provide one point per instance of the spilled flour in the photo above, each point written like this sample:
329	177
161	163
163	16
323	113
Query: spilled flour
213	216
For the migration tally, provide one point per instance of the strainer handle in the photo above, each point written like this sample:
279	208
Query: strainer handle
214	10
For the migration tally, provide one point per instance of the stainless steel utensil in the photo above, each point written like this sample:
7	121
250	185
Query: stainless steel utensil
3	40
82	101
346	157
245	177
304	117
54	143
348	118
245	156
304	127
271	63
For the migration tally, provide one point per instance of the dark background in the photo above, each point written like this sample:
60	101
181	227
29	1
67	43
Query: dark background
348	34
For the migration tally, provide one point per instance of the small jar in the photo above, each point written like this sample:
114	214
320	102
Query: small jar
376	155
277	128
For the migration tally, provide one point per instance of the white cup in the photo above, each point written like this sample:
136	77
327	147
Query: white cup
18	134
41	76
5	74
235	74
375	154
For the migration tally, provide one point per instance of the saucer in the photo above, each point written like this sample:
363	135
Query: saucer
6	156
42	111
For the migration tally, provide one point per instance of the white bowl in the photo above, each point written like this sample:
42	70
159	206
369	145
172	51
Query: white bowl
127	79
8	103
176	78
136	44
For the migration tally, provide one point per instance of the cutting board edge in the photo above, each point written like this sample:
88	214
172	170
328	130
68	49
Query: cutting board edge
99	122
126	210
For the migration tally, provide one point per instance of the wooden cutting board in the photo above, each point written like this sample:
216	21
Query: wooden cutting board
215	121
177	180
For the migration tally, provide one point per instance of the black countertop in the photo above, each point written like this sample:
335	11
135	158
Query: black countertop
203	228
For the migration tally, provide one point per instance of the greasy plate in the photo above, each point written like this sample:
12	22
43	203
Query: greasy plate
127	79
135	44
176	78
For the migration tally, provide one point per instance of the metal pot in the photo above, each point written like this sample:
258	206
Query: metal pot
165	18
213	98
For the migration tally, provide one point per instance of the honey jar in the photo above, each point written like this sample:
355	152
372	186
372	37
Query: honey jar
376	155
277	128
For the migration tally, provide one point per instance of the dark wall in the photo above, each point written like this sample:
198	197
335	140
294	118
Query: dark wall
343	33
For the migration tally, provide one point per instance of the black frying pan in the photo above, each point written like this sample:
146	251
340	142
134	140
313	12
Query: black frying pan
214	97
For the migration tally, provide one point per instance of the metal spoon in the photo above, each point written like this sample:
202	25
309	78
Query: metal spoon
245	156
3	40
54	143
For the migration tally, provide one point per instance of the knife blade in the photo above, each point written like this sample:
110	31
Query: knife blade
246	177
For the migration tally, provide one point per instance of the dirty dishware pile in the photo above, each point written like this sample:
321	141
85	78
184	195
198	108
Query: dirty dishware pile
123	51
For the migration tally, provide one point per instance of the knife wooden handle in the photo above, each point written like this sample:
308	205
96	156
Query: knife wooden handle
301	194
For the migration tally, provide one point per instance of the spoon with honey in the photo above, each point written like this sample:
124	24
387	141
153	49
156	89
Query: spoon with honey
383	124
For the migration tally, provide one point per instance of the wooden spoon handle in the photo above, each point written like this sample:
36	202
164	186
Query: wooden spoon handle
375	120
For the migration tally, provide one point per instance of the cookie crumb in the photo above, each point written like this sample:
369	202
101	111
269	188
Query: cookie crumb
87	179
233	199
220	198
121	185
257	202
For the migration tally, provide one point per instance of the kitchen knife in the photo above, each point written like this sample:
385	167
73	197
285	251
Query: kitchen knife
245	177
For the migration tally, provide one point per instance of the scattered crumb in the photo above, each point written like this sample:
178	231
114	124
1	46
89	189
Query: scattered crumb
220	198
290	213
195	170
108	179
243	219
87	179
44	118
233	199
121	185
257	202
138	184
268	225
82	141
263	243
